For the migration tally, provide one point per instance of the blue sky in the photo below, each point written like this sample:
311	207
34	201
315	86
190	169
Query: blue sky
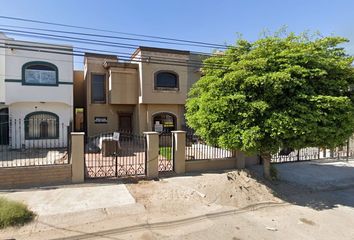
208	21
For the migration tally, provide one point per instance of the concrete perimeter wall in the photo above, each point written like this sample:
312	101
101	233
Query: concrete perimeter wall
46	175
220	164
210	164
33	176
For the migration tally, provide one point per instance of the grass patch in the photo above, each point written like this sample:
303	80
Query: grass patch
166	152
14	213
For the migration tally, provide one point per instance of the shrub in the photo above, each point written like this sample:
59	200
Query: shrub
13	213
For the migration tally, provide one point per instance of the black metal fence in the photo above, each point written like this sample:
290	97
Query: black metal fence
197	149
166	153
32	143
345	152
118	154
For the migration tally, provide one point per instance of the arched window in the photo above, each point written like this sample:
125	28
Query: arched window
43	129
164	122
39	73
41	125
165	80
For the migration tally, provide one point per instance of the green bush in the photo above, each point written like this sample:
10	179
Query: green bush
13	213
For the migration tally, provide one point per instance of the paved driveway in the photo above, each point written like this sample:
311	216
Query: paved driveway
316	175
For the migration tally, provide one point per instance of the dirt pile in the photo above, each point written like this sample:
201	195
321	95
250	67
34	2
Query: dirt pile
235	188
208	191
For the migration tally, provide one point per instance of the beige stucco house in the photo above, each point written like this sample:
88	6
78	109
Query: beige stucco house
147	93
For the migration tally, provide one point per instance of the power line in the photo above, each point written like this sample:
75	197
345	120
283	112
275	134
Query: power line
97	42
81	54
81	40
126	57
110	31
108	36
76	39
107	43
96	51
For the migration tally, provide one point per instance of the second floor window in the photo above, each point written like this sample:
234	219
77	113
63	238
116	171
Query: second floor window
98	88
166	81
40	73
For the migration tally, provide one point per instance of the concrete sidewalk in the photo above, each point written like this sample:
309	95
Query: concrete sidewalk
63	200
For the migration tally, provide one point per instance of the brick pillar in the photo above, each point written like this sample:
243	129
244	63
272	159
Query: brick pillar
152	154
77	157
179	151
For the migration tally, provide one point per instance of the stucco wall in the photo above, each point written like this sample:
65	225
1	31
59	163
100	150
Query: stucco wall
210	165
2	69
60	94
16	58
18	111
194	73
252	160
147	76
152	109
123	85
111	113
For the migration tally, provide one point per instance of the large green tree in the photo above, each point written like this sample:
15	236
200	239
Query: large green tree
276	92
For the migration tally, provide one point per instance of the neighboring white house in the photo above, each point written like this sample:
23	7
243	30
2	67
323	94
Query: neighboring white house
36	92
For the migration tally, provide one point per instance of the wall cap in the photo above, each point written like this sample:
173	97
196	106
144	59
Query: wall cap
178	131
77	133
151	133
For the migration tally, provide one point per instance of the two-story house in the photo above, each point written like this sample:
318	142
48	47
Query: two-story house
36	93
146	94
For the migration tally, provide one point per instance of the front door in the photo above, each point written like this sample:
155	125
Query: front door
4	126
125	122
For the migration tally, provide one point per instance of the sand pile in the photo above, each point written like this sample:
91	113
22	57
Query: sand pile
199	193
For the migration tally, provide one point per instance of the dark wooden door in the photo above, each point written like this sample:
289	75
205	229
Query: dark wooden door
125	122
4	126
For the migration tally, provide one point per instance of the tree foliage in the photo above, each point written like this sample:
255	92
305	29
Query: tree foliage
273	93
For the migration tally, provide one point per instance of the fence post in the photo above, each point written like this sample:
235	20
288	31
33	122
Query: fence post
77	157
240	159
179	151
152	154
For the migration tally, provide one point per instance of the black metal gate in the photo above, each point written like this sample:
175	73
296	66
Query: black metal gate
166	153
4	126
114	155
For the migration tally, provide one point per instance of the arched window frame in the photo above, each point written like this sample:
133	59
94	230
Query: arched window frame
174	117
166	88
27	117
47	64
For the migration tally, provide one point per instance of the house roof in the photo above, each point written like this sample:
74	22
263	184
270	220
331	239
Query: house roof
99	55
108	64
162	50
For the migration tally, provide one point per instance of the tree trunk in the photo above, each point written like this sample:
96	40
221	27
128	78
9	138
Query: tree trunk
266	165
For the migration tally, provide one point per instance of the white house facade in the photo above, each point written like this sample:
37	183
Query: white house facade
36	93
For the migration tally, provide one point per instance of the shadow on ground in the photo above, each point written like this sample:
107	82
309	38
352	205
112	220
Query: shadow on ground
318	185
